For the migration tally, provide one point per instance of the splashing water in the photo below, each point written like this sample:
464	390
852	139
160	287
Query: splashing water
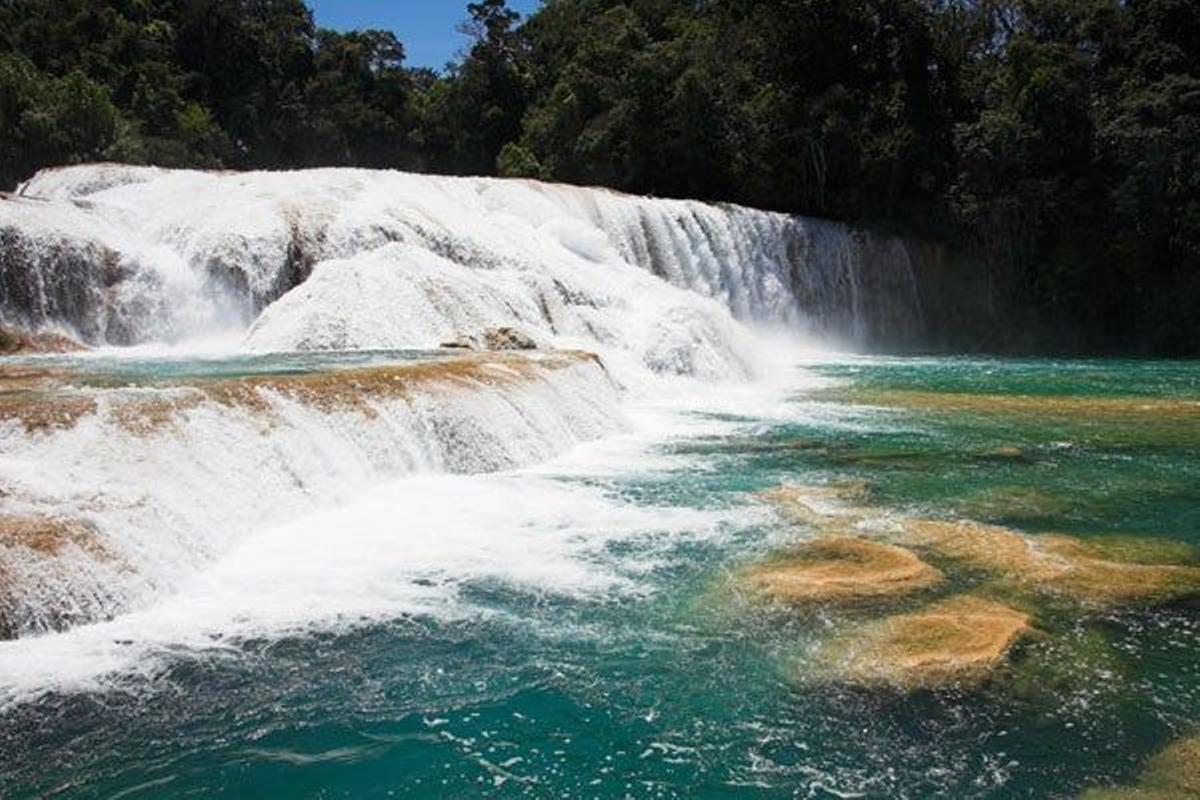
309	552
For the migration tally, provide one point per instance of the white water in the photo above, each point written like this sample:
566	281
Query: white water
229	522
412	546
124	255
171	499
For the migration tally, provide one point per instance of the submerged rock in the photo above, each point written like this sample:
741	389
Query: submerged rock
1099	572
1005	453
1173	774
1012	501
841	569
957	641
820	506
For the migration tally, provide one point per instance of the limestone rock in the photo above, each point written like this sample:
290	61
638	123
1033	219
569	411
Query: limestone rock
508	339
820	506
841	569
1173	774
1101	572
460	343
14	342
957	641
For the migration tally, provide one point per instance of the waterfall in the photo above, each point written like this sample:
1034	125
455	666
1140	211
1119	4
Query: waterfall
353	260
123	255
109	503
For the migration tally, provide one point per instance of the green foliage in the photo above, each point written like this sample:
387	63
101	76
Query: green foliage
47	120
515	161
1050	143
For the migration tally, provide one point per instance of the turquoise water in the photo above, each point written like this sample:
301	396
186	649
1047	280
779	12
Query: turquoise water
683	688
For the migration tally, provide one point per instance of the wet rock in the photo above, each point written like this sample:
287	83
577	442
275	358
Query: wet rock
820	506
1173	774
508	339
841	569
1006	453
1099	572
959	641
34	553
460	343
15	342
1025	502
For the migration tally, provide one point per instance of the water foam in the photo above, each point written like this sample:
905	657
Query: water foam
157	254
173	478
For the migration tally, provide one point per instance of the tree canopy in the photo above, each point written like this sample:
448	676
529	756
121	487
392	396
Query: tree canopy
1053	144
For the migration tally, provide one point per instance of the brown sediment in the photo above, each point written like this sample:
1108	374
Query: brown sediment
33	547
48	536
989	548
42	399
352	389
822	506
1074	407
958	641
841	569
1012	501
1173	774
1096	572
15	342
1005	453
40	411
1088	572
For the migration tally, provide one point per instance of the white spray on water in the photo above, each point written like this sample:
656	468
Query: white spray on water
216	516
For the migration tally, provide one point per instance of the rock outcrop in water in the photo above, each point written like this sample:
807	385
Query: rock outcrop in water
1095	572
15	342
866	553
958	641
841	570
1173	774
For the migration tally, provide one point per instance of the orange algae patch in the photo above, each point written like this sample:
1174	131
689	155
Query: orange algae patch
957	641
841	569
1173	774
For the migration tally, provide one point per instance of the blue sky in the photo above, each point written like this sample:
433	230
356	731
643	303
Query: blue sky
426	27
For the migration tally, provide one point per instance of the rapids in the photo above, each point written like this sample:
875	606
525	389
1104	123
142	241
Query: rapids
124	255
268	536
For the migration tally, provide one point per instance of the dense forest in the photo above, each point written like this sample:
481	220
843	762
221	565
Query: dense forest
1052	145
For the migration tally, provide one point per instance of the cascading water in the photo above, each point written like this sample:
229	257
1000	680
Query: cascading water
286	544
350	260
122	255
